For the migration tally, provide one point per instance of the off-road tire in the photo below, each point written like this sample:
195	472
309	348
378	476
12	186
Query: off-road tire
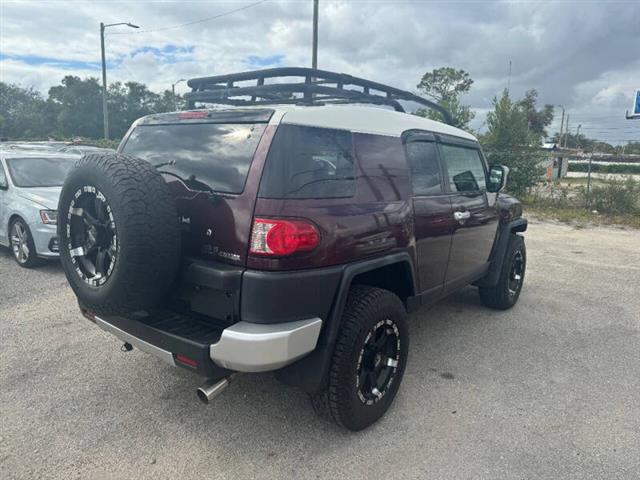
148	235
339	400
500	296
32	259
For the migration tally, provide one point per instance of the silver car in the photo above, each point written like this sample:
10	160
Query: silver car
30	184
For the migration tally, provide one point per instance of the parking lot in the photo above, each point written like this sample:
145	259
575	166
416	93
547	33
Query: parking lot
550	389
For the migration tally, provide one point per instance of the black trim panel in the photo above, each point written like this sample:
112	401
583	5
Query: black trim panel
499	247
276	297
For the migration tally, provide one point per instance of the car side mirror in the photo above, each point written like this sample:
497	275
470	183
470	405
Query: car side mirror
3	184
497	178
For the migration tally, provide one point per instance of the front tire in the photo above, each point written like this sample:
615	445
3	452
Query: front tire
369	359
22	245
506	292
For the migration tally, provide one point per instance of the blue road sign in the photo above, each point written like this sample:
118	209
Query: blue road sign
636	104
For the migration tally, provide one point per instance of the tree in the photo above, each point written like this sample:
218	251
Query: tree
629	148
79	106
23	113
444	85
538	120
509	142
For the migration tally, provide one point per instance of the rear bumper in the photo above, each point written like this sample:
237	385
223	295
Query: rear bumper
211	352
254	347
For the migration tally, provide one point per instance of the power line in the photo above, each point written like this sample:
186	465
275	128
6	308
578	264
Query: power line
202	20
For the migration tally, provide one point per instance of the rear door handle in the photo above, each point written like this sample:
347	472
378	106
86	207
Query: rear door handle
462	216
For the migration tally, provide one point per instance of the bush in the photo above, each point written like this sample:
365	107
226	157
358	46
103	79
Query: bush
605	168
615	196
525	168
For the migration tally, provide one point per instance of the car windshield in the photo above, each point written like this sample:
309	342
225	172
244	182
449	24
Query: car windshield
206	156
39	172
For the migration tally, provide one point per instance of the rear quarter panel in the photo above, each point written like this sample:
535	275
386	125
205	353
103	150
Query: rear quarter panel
377	220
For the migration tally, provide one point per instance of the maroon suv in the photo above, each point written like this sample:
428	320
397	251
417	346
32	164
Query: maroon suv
288	234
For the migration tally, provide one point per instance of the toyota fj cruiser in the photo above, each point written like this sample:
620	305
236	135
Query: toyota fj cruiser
288	233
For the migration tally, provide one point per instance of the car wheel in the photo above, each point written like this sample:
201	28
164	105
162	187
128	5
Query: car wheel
506	292
369	359
22	246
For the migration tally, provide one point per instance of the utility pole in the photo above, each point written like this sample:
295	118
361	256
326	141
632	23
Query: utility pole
314	55
566	133
561	126
509	78
105	113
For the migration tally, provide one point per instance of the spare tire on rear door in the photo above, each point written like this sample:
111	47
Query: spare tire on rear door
119	233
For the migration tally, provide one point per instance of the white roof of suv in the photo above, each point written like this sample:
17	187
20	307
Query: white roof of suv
363	119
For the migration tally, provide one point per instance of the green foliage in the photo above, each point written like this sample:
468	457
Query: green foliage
23	112
510	142
445	82
445	85
538	120
78	106
614	196
605	168
611	201
74	109
629	148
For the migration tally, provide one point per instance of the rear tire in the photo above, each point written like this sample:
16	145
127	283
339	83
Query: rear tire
22	245
119	233
369	359
506	292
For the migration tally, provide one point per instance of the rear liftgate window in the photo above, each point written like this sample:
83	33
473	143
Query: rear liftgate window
309	162
207	156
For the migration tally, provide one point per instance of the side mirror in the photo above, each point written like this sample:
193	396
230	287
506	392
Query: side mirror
3	182
497	178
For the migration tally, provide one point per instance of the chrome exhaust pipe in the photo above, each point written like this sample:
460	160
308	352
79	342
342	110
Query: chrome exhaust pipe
210	390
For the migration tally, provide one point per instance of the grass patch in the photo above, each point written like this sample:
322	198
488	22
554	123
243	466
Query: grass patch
580	217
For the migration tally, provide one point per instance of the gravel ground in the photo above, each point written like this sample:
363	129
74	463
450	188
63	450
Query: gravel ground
550	389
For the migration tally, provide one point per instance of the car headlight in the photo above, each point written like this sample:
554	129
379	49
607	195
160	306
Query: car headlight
49	217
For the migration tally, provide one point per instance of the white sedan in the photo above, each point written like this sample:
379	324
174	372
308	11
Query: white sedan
30	184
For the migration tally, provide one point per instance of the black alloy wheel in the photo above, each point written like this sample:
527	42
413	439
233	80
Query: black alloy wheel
92	236
378	362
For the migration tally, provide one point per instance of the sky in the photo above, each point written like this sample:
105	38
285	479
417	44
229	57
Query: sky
583	55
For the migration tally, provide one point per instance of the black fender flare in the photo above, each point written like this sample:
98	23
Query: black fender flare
499	247
309	373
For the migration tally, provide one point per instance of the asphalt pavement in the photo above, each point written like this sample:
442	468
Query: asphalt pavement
549	389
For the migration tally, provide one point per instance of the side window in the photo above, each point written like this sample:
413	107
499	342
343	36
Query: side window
424	167
309	162
3	177
465	168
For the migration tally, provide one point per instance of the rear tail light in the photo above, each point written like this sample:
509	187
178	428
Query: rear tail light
277	238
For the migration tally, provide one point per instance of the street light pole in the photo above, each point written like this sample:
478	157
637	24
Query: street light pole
314	55
105	112
173	92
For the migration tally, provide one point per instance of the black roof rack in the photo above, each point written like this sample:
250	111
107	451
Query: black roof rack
319	87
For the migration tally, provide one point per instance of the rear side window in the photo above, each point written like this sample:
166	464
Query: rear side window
425	170
465	168
309	162
206	157
3	178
